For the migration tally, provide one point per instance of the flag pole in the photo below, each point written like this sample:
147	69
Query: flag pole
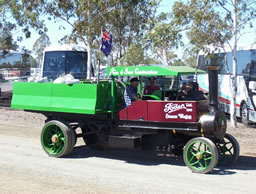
98	76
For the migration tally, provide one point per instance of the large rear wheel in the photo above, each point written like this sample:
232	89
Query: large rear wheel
57	139
228	150
200	155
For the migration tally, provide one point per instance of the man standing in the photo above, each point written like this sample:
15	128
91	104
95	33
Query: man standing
130	93
151	87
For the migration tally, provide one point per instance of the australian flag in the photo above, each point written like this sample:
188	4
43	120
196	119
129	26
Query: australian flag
106	44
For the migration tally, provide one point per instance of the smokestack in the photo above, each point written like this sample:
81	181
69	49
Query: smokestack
213	87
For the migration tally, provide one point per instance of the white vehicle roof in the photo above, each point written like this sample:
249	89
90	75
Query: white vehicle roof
65	48
12	52
228	49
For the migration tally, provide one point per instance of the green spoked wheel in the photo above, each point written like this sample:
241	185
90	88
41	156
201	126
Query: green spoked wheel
57	138
200	155
229	150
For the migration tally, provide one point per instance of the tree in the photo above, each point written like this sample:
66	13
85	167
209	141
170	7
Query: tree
6	41
190	56
125	19
133	56
17	17
38	48
129	22
217	22
136	55
163	37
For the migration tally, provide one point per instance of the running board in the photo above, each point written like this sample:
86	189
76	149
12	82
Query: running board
156	128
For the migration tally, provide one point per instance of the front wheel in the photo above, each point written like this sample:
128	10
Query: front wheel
200	155
228	150
57	139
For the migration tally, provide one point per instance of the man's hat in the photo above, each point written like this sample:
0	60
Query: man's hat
134	79
152	78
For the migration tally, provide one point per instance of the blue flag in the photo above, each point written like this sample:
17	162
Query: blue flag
106	42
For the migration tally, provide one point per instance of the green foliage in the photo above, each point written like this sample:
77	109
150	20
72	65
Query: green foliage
133	56
190	56
6	41
33	62
126	20
16	16
202	22
163	38
211	22
178	62
150	61
38	48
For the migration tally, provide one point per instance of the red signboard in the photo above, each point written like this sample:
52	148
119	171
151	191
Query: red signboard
164	111
172	111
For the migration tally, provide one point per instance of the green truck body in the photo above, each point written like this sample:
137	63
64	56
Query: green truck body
83	98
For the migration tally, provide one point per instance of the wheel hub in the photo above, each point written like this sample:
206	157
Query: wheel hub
55	139
199	156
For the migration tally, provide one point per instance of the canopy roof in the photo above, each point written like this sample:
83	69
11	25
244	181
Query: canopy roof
152	71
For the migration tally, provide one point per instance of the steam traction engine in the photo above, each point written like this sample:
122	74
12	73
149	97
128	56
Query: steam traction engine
158	121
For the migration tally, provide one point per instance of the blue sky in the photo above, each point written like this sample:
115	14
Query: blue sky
56	34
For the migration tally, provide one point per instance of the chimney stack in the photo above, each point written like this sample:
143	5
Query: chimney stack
213	87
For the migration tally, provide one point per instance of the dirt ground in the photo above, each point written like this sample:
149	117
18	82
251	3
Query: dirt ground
26	168
246	136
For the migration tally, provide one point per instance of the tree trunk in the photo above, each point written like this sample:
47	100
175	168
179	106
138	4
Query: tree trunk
164	57
234	61
89	62
89	45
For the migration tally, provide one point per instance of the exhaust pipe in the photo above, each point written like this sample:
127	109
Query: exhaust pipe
213	87
213	124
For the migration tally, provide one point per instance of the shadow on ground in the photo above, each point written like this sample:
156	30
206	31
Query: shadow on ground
246	163
135	157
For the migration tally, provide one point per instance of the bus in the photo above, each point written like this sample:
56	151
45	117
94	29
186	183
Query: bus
64	59
246	80
14	65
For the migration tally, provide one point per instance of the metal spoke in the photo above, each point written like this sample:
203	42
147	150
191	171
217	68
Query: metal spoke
195	163
201	165
54	147
205	147
229	150
62	139
192	158
209	158
193	152
208	152
198	149
205	162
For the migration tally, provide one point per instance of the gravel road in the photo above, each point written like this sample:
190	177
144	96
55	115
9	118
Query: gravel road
26	168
